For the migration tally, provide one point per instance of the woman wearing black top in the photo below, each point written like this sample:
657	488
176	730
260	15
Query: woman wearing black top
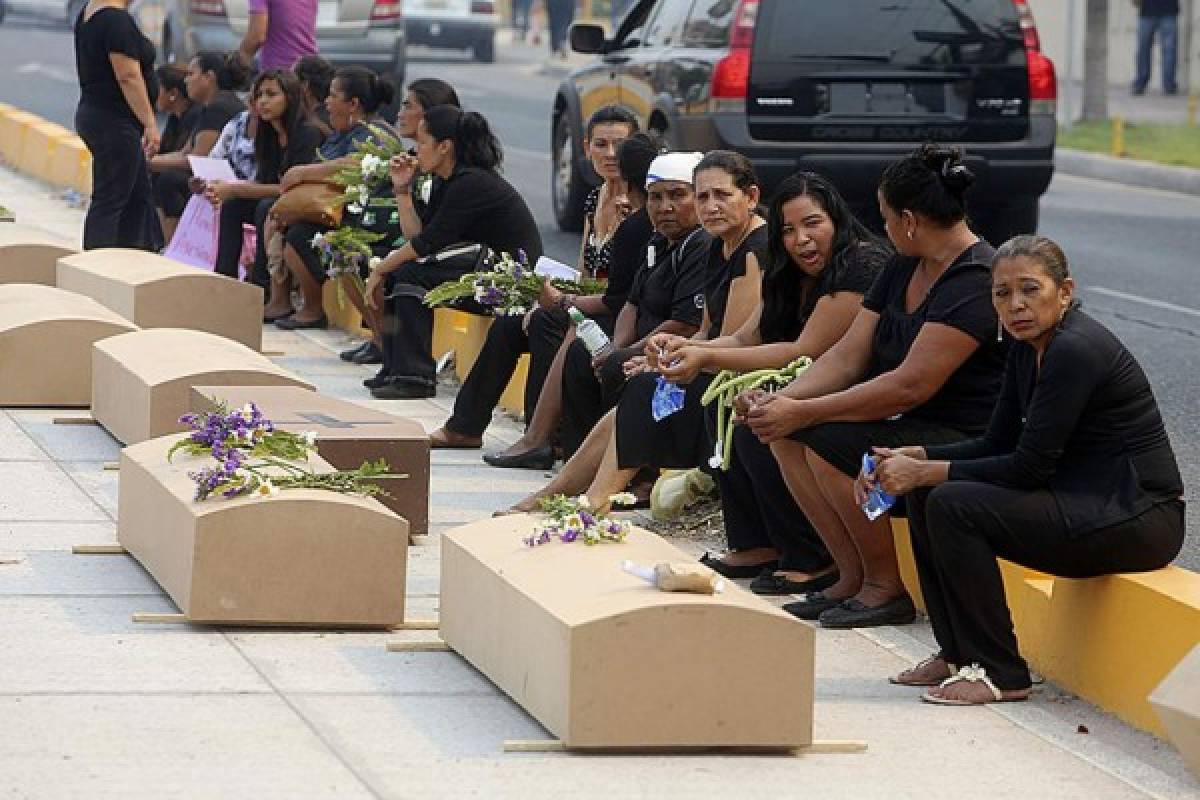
920	363
285	138
115	119
542	331
471	204
1074	477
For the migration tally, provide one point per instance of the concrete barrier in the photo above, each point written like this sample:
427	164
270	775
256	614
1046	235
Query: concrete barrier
1177	701
604	660
28	255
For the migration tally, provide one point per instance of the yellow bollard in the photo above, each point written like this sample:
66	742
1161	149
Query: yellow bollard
1118	137
1193	101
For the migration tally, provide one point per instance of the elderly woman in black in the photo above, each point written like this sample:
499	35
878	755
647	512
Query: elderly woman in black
1075	477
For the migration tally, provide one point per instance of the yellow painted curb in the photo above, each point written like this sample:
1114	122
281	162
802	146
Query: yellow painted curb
44	150
1110	640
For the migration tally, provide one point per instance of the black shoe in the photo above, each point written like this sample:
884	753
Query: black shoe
404	389
811	606
854	614
737	570
293	324
348	355
370	354
537	458
270	318
769	583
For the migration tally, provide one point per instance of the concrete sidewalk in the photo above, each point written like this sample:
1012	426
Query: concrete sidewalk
95	706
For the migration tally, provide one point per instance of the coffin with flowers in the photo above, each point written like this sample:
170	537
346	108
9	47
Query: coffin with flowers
157	292
29	256
141	382
604	660
347	435
304	557
46	338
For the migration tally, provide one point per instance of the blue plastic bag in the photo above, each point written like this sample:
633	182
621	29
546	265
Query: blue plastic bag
878	501
667	399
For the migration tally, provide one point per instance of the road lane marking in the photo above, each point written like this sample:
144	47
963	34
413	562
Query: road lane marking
53	73
1134	298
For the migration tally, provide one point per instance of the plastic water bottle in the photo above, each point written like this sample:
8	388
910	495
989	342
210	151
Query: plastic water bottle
878	501
592	335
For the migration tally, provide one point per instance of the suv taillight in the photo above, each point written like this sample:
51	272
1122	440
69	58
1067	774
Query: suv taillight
385	10
211	8
483	6
1043	83
731	75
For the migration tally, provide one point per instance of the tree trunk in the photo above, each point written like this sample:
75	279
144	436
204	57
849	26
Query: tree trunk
1095	61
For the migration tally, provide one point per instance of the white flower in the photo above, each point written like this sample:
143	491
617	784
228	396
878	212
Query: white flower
517	311
623	499
717	459
247	411
370	164
374	262
354	208
480	292
310	438
583	502
265	488
318	240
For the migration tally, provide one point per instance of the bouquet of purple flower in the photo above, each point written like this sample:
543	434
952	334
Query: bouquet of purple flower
254	458
573	520
510	287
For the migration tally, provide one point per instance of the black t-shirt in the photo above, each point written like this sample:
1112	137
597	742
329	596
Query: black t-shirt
626	255
721	272
855	270
960	298
302	146
670	284
107	31
178	130
214	115
477	205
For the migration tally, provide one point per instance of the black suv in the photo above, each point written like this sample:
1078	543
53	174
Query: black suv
841	87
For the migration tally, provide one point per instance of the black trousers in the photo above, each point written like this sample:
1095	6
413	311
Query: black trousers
760	511
507	339
300	235
586	396
960	528
171	191
408	323
234	214
121	212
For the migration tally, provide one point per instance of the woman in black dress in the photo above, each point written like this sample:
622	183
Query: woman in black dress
115	118
1074	477
922	362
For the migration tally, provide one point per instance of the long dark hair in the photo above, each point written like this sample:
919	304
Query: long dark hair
267	150
432	92
932	181
232	73
371	91
788	291
634	157
474	143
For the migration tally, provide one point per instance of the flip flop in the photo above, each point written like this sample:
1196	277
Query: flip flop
973	674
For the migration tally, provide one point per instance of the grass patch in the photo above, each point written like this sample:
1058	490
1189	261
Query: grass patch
1177	145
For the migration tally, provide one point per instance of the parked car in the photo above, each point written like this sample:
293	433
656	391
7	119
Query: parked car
841	87
462	24
64	11
366	32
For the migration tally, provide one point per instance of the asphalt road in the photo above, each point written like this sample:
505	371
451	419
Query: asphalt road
1133	250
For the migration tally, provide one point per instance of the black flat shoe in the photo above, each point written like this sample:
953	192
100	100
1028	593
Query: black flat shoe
369	354
270	318
348	355
377	380
855	614
537	458
768	583
811	606
402	389
737	570
292	324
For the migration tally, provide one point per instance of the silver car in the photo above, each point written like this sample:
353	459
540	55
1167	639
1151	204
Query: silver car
58	10
365	32
463	24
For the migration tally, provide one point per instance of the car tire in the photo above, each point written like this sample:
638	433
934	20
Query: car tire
484	50
568	187
998	224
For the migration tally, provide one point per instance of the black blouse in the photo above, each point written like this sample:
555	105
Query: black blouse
1085	426
721	272
670	283
628	252
960	298
597	255
107	31
477	205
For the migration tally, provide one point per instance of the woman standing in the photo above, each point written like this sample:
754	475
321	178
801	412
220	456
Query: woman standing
115	119
1075	477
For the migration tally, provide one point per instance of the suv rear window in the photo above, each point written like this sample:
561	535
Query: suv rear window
926	33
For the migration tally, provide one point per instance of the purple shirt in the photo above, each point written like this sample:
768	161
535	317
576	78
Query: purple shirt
291	31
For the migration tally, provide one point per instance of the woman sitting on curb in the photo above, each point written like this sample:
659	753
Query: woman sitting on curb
922	362
1075	477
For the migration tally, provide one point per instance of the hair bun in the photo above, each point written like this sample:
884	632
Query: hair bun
947	164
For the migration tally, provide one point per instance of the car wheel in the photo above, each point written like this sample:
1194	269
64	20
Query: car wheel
485	49
568	189
998	224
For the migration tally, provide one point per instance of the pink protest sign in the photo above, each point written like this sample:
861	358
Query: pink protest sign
195	240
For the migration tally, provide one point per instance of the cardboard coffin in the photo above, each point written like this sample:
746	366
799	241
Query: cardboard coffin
604	660
300	557
46	338
28	255
141	382
157	292
1177	702
347	435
